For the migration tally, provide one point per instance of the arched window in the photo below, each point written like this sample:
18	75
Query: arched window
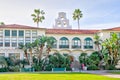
55	43
64	42
88	43
76	43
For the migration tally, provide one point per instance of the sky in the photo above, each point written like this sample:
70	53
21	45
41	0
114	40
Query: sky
97	14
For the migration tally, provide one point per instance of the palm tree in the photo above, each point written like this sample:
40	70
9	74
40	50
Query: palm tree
2	23
40	43
98	43
3	62
30	48
24	48
77	15
112	45
38	16
50	42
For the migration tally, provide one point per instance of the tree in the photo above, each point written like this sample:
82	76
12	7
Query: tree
24	48
3	61
50	42
83	58
77	15
40	43
38	16
2	23
112	45
30	48
97	42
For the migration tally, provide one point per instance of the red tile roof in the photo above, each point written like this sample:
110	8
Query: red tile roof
113	29
16	26
70	31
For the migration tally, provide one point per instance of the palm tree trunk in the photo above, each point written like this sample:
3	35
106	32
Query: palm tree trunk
37	24
78	24
31	60
40	54
26	55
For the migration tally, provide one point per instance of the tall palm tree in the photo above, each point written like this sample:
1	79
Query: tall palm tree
38	16
2	23
77	15
50	42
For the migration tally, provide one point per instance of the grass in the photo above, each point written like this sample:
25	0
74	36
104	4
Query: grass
53	76
115	72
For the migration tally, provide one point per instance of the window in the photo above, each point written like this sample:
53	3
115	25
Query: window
7	42
1	42
62	17
88	43
59	24
14	42
65	24
21	33
76	43
27	40
64	43
1	33
34	33
27	33
14	32
20	41
7	32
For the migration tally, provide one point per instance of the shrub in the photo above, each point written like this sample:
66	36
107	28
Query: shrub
92	67
5	69
111	67
14	68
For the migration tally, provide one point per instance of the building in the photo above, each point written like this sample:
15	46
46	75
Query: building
70	41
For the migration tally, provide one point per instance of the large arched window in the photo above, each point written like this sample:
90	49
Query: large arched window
88	43
55	43
64	42
76	43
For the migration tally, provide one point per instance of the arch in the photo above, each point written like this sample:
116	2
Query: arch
66	51
64	42
76	42
89	51
63	38
88	38
88	43
53	51
80	51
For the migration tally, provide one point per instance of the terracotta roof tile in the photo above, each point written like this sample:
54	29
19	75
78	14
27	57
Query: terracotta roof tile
113	29
70	31
16	26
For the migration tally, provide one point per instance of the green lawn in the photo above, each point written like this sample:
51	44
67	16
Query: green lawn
115	72
56	76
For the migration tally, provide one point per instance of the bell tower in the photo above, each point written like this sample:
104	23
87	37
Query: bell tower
62	22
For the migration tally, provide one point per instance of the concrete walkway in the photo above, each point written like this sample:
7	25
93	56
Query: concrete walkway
104	73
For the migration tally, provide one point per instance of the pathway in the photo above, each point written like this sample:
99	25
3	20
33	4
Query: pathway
104	73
